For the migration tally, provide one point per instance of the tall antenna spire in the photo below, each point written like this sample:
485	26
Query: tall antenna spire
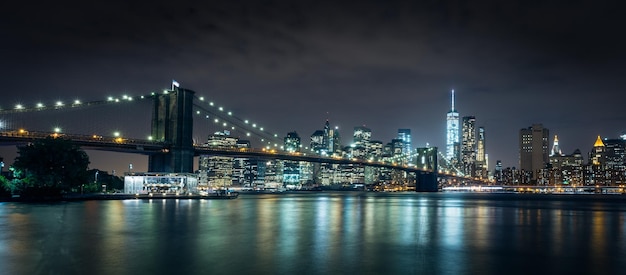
452	99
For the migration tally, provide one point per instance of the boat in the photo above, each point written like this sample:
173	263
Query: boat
220	194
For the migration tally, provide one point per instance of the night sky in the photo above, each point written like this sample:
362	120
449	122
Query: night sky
293	64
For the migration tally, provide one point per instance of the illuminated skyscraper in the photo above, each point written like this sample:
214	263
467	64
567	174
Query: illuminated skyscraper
405	136
362	136
480	145
556	150
452	130
468	146
482	161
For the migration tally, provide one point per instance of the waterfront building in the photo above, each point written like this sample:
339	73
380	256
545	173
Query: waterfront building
452	134
533	150
161	183
564	169
497	174
291	174
241	166
468	145
216	171
606	163
614	161
375	153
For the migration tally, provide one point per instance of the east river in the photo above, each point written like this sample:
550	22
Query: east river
319	233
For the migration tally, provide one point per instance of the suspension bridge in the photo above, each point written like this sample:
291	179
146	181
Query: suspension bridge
170	127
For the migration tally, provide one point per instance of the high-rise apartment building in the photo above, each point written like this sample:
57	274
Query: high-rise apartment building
533	149
452	133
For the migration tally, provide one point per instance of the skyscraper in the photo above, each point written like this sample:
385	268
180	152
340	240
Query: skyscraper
405	136
480	145
482	161
556	150
362	136
533	148
468	145
452	131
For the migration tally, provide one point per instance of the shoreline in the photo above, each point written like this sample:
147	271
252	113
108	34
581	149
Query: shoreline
88	197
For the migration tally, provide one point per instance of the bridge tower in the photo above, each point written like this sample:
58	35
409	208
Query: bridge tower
426	181
172	122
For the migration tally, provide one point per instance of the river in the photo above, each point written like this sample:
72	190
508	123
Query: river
319	233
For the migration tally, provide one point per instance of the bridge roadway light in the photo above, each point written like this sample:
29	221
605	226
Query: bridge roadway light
76	102
19	106
116	134
59	104
40	105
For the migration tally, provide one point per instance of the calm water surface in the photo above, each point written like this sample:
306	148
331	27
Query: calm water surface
319	233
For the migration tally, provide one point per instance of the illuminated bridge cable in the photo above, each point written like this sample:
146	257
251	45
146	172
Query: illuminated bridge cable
77	117
240	124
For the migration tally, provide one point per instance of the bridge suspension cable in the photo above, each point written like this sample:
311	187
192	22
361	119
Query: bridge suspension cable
232	122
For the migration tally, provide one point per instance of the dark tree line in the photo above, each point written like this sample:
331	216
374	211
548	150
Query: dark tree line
50	167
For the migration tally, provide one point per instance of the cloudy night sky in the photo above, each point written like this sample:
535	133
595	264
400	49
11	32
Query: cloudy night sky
293	64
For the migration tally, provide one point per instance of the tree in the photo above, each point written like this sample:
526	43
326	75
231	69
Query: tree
53	165
5	187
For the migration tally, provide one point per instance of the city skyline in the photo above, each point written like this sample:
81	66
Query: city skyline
387	66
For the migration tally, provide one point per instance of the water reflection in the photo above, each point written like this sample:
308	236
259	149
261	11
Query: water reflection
325	233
